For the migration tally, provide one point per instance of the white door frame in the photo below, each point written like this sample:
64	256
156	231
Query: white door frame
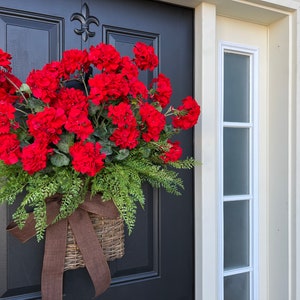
279	214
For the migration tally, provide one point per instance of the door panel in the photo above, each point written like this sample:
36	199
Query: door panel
158	261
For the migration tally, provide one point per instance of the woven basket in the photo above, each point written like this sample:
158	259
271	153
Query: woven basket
110	233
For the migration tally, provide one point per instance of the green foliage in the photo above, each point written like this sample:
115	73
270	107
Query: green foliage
121	181
12	182
188	163
123	185
38	187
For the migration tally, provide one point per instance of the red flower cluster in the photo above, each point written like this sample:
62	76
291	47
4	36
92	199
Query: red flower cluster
87	158
112	111
145	57
189	113
5	60
174	153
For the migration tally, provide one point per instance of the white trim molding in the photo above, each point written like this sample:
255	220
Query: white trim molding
206	151
279	211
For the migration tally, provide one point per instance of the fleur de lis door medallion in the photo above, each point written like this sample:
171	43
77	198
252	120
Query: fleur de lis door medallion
85	19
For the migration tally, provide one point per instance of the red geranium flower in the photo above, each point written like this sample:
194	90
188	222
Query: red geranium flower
174	152
128	69
74	60
34	157
5	60
163	91
7	113
154	121
105	87
138	89
9	84
9	148
47	125
79	123
43	84
125	137
87	158
121	115
145	58
105	57
189	113
68	98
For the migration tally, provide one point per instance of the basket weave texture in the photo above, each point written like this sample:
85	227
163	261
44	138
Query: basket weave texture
110	233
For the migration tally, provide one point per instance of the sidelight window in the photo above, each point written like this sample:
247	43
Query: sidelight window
238	167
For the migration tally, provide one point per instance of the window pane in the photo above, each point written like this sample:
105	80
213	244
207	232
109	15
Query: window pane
236	87
236	287
236	161
236	234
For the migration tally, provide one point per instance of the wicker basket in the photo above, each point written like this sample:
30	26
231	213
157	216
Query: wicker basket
110	233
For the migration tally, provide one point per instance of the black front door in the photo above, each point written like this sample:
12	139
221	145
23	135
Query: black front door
158	263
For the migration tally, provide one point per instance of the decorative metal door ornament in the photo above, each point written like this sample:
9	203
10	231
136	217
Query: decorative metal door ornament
85	19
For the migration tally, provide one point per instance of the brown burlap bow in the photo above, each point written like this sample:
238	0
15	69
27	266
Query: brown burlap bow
55	244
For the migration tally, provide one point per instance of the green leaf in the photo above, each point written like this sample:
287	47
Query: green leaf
65	142
59	160
145	152
93	109
24	88
123	153
36	104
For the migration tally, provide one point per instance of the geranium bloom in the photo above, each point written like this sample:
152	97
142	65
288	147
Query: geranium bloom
43	84
105	87
191	112
154	121
121	115
68	98
145	58
125	137
105	57
54	68
47	125
74	60
9	148
9	84
138	88
34	157
87	158
174	152
128	69
163	91
7	111
79	123
5	60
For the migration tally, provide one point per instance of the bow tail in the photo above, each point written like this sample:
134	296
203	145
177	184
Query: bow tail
53	263
91	250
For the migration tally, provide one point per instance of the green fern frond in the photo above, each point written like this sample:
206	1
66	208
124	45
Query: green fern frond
156	175
187	163
123	185
12	182
72	190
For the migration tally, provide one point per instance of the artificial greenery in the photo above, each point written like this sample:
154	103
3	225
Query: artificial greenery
121	181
